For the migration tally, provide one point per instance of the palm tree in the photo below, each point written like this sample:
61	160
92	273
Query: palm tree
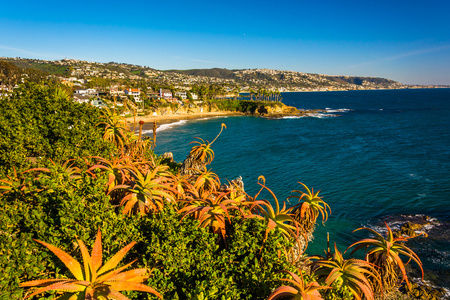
252	92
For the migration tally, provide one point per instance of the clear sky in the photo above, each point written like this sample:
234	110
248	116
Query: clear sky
407	41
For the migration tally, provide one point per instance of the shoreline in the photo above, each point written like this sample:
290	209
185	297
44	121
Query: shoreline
173	118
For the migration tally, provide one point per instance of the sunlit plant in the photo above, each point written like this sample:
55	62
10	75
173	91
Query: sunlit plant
148	191
118	169
279	219
352	273
92	280
298	289
385	254
211	211
306	212
116	129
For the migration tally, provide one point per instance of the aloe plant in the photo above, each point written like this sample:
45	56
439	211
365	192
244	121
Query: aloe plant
212	211
148	191
200	155
118	169
298	289
306	212
385	254
92	280
352	273
280	219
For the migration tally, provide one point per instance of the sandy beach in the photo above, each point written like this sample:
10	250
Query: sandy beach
172	118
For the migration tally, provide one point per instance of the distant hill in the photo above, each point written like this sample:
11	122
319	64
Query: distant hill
246	79
357	80
215	72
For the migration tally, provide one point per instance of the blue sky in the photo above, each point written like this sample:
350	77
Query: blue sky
407	41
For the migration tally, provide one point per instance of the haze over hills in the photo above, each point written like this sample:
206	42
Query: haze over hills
244	79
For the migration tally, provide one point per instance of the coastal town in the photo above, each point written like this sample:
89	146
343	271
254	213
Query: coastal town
139	87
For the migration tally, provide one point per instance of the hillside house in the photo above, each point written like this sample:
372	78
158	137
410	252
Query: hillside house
166	94
136	93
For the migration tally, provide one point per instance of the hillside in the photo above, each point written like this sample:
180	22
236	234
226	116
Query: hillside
244	80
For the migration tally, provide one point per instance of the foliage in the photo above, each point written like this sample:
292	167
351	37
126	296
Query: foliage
93	281
148	192
385	254
244	106
36	123
55	211
306	212
187	259
280	220
298	289
351	273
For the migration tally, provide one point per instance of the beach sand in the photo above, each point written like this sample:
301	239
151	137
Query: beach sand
172	118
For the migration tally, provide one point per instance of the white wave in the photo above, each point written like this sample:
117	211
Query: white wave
331	110
164	127
293	117
320	115
209	118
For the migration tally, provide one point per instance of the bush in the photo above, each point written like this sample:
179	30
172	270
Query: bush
37	123
188	260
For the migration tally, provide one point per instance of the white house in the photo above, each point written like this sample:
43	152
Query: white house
136	93
86	92
166	94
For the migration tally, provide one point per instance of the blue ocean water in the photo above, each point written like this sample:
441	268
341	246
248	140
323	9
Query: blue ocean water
373	155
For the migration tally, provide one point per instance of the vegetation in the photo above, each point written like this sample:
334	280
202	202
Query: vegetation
199	238
385	254
93	281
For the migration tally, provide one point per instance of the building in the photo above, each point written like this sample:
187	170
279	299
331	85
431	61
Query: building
136	93
166	94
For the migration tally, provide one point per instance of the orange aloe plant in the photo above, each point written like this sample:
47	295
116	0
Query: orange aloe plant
116	130
203	151
281	219
352	273
92	280
211	211
118	169
385	254
306	212
148	191
298	290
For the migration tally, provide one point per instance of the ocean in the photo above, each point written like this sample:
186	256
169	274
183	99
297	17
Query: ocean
375	156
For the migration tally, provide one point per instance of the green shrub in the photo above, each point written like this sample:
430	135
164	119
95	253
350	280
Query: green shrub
36	122
188	260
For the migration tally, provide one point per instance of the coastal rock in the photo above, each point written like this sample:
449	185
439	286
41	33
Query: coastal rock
423	292
414	227
168	156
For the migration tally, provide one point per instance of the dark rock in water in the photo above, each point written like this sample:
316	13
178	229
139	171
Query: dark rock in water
413	229
423	291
